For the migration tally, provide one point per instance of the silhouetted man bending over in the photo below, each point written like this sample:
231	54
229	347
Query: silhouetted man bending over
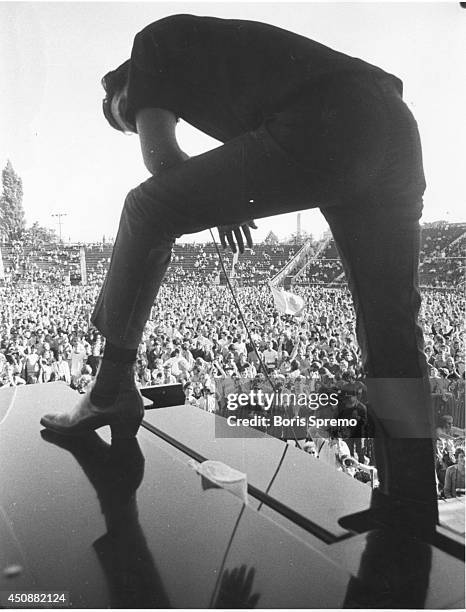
303	126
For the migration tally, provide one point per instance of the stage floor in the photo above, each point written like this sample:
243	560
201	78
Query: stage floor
132	525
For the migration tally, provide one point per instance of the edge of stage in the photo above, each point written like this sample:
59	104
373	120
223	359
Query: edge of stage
132	525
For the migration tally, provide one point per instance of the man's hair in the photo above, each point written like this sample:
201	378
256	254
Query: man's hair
113	82
459	451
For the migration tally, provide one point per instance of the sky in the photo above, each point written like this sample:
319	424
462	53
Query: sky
53	55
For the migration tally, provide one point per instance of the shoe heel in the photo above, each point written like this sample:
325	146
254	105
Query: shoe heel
124	429
125	423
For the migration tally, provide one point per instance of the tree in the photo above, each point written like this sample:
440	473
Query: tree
12	220
271	238
37	236
301	239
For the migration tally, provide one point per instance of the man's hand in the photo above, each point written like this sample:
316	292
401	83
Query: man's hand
226	233
236	589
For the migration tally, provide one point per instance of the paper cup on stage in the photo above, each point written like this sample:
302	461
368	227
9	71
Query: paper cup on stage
224	476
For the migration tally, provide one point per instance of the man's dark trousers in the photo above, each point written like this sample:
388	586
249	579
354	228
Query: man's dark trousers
351	148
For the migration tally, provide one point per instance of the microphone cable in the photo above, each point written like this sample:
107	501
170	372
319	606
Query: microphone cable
251	340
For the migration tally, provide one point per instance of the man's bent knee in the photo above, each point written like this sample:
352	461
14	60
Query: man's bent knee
147	215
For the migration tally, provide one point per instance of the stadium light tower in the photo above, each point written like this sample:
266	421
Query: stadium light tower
60	215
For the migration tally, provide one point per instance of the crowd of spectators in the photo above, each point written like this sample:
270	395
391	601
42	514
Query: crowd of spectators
197	338
449	461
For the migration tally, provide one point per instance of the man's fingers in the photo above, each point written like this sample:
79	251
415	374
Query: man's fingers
228	233
231	242
221	235
247	234
239	239
249	580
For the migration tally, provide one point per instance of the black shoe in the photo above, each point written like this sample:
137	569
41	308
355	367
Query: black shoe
124	416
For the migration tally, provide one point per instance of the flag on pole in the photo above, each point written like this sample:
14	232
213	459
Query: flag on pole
82	265
233	264
287	302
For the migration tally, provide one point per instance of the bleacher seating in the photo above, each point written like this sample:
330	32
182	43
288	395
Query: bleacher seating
442	261
200	262
49	263
441	255
324	269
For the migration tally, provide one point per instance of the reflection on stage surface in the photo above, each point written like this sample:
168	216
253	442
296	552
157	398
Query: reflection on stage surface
130	524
